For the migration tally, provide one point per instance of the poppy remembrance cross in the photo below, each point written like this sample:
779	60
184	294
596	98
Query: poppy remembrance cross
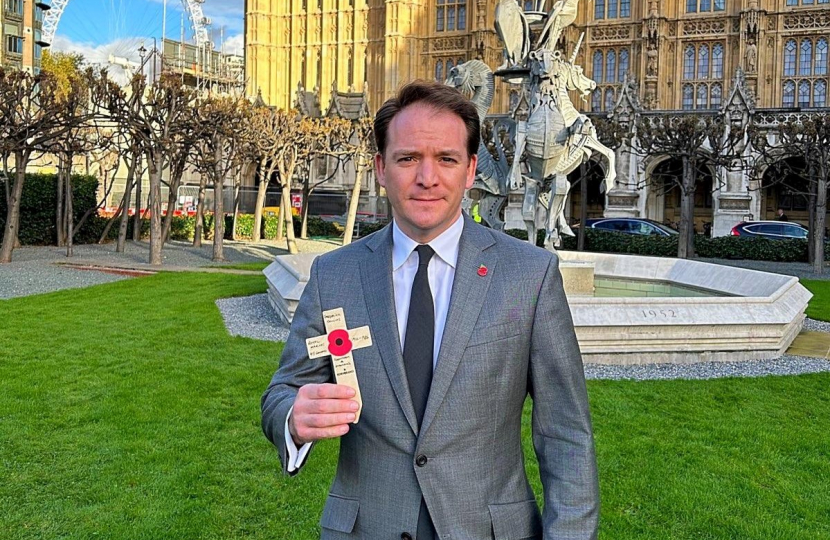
339	342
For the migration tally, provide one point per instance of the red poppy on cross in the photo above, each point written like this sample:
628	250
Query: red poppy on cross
339	342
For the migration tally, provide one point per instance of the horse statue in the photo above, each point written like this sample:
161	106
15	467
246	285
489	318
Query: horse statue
475	80
556	139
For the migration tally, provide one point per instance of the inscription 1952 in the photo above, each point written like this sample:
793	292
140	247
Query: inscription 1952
659	314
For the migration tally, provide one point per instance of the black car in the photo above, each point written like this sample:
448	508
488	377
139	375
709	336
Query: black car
647	227
774	230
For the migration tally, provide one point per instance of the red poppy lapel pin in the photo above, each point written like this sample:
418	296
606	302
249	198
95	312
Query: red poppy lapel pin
482	270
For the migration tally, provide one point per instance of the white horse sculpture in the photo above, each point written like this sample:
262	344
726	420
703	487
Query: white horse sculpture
556	138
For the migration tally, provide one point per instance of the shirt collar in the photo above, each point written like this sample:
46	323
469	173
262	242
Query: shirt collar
445	244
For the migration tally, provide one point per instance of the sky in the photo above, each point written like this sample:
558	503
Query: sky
100	28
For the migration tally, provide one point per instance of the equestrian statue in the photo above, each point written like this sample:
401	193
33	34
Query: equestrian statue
550	137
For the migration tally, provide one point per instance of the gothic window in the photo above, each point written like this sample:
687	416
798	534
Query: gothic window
716	96
609	99
623	68
702	96
806	2
807	58
597	72
599	9
609	69
689	62
789	57
449	67
704	6
460	61
789	94
703	62
611	66
530	5
820	93
717	61
450	15
688	96
821	57
805	61
612	9
804	94
439	71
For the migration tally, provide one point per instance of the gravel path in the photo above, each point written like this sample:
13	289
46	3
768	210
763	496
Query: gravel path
36	270
253	317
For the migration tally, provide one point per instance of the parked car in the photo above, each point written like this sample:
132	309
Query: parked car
774	230
647	227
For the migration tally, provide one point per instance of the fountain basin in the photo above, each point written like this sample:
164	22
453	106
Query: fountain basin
631	309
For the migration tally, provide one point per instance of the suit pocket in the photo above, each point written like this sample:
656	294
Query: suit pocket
494	332
339	514
514	521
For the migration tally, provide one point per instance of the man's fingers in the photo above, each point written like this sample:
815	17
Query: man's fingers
328	391
326	406
328	420
305	433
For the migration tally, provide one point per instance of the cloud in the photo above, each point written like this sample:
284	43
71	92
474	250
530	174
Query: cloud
123	51
235	45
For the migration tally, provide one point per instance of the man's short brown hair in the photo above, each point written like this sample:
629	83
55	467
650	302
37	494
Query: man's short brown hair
433	94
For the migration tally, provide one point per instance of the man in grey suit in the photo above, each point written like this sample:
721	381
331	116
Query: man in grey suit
466	323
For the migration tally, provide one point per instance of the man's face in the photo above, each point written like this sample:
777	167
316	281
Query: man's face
425	170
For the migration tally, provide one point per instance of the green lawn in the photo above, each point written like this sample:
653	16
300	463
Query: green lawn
126	411
819	307
259	265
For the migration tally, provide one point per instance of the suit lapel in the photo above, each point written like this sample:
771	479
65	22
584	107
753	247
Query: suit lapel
376	273
469	289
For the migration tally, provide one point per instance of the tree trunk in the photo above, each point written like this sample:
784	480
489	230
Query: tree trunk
811	220
289	220
137	215
583	206
281	219
70	213
13	216
685	241
156	239
237	187
175	181
262	189
125	214
352	213
59	206
199	226
218	207
817	234
306	197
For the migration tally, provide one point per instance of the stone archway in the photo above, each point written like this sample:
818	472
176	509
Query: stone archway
790	192
596	199
663	185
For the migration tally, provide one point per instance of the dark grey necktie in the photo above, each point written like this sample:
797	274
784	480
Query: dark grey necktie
420	335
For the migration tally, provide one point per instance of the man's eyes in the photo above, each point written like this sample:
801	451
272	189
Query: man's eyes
443	159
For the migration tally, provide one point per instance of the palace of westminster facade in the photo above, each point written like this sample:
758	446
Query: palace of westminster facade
765	59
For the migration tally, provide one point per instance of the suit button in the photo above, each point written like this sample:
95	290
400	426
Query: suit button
421	460
406	536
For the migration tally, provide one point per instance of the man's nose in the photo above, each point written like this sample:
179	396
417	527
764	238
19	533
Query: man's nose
427	173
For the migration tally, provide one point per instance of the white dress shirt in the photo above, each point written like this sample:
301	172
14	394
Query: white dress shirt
441	274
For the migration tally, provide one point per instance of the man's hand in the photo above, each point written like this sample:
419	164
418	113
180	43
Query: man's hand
322	411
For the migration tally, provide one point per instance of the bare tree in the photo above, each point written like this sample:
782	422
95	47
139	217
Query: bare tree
697	141
158	116
31	118
805	137
361	148
220	127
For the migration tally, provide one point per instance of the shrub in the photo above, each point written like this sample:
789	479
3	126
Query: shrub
521	234
723	247
38	213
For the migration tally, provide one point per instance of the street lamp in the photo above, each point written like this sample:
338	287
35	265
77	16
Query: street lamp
141	52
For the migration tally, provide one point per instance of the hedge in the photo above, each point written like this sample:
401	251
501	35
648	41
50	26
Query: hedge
38	213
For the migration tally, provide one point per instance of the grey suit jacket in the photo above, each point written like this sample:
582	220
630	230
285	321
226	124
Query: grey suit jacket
509	334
